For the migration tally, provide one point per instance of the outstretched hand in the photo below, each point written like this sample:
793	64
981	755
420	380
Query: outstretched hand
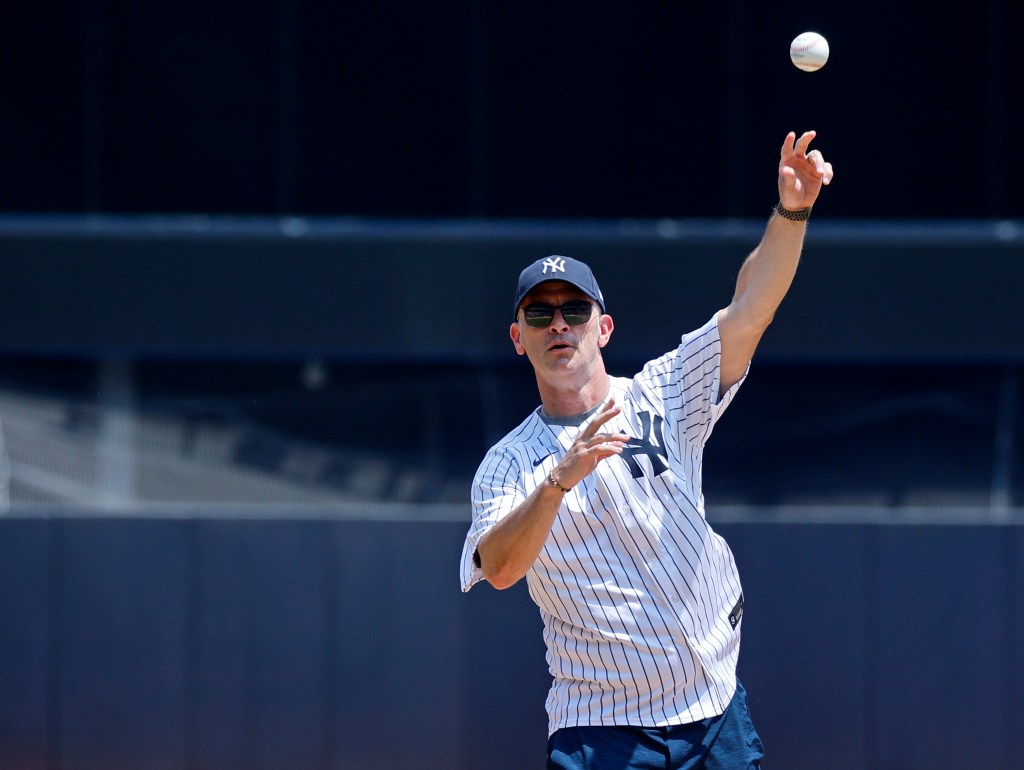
591	447
801	173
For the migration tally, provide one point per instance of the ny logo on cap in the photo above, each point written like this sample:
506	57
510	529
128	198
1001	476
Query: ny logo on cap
557	264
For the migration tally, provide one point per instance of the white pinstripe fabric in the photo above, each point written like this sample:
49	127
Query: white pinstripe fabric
634	587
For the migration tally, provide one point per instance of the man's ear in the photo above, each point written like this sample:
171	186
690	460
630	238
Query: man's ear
516	333
607	327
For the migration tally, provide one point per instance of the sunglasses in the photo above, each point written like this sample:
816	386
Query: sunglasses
575	312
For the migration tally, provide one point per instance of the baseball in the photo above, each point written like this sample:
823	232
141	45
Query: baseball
809	51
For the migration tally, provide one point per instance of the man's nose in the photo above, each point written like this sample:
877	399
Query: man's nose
558	323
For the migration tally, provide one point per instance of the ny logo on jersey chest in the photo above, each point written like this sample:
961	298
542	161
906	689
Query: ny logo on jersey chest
652	444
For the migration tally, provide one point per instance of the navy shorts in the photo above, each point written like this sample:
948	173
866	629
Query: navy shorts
726	742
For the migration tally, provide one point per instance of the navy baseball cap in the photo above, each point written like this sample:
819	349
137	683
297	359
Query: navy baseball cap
556	268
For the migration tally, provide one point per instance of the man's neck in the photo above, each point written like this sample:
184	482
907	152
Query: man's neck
568	400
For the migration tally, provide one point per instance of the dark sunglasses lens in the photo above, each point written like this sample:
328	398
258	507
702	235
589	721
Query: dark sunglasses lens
538	316
576	313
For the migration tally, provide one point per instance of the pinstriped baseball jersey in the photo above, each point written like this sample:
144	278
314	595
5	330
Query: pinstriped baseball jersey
641	600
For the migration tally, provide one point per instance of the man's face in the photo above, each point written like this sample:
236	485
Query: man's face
559	346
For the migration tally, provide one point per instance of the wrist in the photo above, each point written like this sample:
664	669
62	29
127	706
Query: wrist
554	482
794	215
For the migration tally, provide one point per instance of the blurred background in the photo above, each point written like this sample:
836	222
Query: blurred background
256	268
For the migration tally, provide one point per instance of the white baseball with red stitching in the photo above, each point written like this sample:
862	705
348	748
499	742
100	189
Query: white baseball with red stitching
809	51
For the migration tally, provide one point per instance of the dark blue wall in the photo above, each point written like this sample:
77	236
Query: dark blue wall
187	643
442	291
478	108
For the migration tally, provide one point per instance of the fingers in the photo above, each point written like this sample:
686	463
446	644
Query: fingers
603	448
822	168
787	144
586	453
589	436
602	445
794	150
591	447
800	148
604	415
793	147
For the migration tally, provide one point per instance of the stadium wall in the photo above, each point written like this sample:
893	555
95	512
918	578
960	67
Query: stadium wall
312	642
349	289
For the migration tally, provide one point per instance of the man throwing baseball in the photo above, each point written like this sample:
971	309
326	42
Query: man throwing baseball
596	499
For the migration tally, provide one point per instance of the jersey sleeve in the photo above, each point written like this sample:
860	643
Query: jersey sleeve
496	492
685	384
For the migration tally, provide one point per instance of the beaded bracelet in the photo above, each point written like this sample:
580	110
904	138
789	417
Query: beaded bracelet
551	478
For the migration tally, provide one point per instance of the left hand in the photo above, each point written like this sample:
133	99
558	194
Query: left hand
801	173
